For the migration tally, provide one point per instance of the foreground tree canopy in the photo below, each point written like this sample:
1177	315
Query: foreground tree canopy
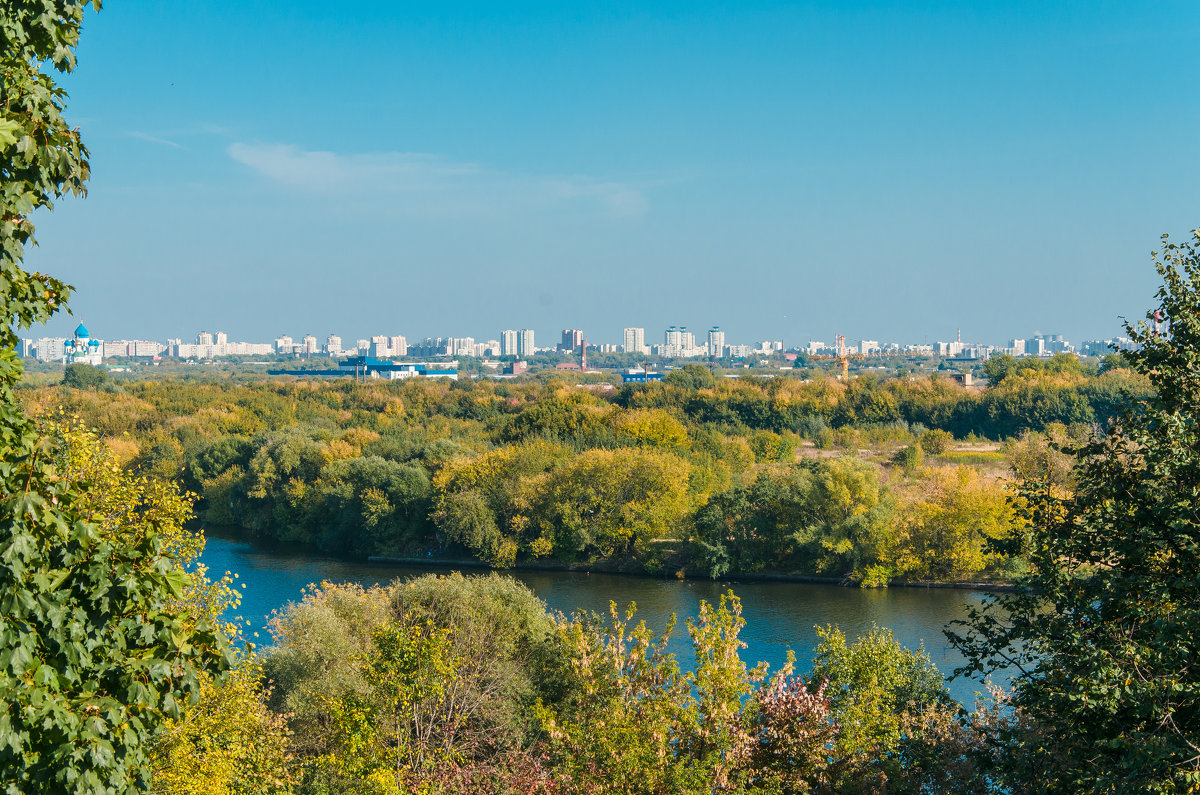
98	644
1107	633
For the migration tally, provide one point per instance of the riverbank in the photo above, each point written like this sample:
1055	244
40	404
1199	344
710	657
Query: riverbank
624	568
682	574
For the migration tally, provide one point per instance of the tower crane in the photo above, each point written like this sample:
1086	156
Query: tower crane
843	356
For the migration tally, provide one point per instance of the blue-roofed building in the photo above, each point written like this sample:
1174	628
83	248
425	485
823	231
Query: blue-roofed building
370	367
83	349
639	377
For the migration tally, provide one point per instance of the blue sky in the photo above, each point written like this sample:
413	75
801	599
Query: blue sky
891	171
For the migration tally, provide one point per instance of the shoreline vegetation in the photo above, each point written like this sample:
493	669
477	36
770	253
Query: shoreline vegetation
871	481
730	577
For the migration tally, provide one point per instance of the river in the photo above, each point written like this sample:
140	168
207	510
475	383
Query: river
779	616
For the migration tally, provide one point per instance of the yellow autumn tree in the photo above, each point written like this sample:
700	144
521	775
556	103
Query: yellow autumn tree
944	523
228	741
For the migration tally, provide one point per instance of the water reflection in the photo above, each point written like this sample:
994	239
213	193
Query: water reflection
778	615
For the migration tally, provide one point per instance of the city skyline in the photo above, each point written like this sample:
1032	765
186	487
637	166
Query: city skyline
61	325
678	342
618	338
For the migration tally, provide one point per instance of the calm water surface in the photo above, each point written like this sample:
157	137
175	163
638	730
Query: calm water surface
779	616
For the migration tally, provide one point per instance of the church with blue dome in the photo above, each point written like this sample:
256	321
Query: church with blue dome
83	349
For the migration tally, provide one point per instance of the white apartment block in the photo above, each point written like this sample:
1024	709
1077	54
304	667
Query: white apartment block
50	349
738	351
633	340
525	345
508	342
716	342
460	346
380	347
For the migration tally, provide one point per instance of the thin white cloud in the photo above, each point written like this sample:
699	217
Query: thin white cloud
154	139
440	184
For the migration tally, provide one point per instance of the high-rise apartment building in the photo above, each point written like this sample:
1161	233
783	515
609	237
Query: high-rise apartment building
204	338
399	345
222	338
572	340
525	345
716	342
678	341
333	345
508	343
283	344
633	340
310	344
380	347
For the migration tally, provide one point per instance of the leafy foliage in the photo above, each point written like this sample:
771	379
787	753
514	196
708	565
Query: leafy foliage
392	685
83	376
1107	631
228	742
105	636
637	723
946	521
871	682
100	643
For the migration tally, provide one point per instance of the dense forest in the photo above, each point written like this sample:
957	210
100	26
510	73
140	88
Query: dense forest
868	480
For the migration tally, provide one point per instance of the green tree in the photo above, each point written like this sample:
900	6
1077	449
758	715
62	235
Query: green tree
637	723
83	376
608	503
384	684
998	367
874	670
908	457
691	377
936	441
754	527
1105	636
944	522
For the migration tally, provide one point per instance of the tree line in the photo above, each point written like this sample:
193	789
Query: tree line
634	479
